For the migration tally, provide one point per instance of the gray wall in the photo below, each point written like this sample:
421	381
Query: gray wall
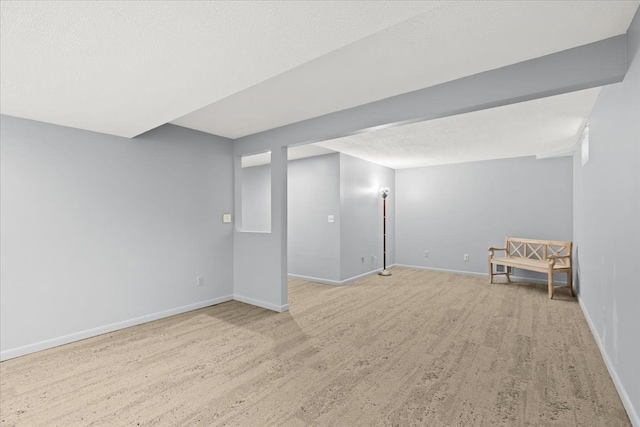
101	232
607	228
260	259
256	198
314	194
361	216
460	209
342	186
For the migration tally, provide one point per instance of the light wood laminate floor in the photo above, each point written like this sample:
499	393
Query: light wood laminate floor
416	348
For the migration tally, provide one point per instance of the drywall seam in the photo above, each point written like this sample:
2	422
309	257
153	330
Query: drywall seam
100	330
263	304
473	273
626	400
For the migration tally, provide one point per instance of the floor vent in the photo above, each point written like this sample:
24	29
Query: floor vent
500	269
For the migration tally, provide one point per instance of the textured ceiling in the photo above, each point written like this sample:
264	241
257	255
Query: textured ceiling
453	40
124	67
236	68
516	130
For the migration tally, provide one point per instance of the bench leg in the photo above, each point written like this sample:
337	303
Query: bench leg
550	284
490	272
506	272
570	282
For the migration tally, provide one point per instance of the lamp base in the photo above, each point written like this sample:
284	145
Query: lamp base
384	273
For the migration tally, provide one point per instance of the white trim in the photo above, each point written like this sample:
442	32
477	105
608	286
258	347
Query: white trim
443	270
626	400
560	152
88	333
316	279
263	304
369	273
473	273
341	282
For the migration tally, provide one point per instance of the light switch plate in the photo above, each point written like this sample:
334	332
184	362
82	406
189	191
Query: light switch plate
330	218
226	218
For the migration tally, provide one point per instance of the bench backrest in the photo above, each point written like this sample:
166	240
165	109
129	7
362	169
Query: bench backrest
538	249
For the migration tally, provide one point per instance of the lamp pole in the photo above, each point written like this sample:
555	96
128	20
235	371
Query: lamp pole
384	192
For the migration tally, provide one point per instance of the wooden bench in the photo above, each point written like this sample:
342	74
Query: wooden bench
545	256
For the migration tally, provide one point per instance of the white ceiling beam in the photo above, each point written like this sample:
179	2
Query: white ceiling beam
579	68
561	152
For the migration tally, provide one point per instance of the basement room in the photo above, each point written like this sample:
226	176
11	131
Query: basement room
354	213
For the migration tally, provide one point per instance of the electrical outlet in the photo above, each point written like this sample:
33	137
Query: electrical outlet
426	254
200	281
466	257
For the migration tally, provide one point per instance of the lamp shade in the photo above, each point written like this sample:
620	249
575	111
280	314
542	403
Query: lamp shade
384	192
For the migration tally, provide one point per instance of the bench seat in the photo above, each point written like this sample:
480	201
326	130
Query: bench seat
544	256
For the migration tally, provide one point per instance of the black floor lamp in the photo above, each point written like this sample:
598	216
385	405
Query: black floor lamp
384	192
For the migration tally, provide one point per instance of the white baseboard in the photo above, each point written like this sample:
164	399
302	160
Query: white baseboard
443	270
338	282
263	304
363	275
626	400
88	333
316	279
474	273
